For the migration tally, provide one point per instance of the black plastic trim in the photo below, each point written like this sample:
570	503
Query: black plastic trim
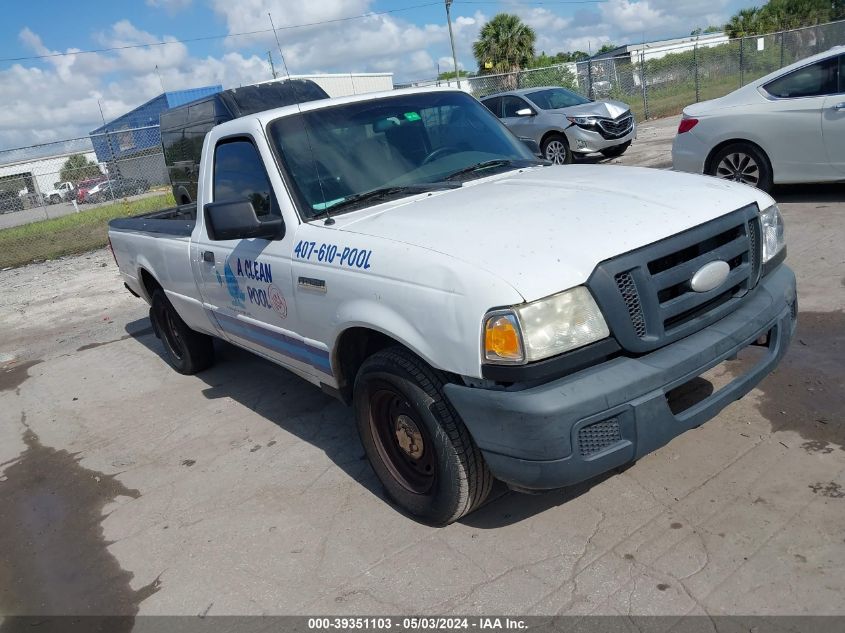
556	366
132	292
775	261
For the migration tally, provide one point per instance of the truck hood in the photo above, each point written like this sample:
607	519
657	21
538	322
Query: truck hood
545	229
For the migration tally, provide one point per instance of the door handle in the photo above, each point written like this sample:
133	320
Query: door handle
208	256
839	106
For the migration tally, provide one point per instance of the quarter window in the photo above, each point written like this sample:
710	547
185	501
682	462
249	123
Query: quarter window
815	80
239	174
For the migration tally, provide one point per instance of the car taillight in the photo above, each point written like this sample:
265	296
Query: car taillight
686	124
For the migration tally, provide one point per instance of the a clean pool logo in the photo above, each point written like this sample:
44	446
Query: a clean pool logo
710	276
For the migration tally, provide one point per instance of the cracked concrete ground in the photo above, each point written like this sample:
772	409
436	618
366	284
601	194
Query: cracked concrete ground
244	490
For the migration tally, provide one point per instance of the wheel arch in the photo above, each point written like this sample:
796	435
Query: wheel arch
356	342
708	162
553	132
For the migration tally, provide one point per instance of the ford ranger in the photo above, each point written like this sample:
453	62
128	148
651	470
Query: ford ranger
486	314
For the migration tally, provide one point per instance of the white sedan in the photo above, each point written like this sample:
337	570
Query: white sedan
787	127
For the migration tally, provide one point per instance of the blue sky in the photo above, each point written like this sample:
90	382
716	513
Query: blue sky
57	98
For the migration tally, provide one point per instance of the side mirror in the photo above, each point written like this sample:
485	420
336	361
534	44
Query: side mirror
525	112
531	144
236	219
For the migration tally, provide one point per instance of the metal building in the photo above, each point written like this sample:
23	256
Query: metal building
131	144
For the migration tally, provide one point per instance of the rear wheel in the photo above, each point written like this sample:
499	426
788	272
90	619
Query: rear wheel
187	351
742	162
414	439
616	150
556	149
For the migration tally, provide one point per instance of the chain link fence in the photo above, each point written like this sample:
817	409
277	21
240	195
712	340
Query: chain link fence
57	198
657	82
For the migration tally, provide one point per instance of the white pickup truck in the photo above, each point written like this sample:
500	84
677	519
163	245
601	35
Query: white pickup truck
486	314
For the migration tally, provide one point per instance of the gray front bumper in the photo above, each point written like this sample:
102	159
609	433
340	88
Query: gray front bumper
529	437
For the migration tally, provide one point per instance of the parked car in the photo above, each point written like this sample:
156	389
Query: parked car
85	186
564	123
487	314
119	188
61	192
787	127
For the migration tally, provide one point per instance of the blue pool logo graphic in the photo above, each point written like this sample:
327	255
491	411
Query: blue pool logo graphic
232	286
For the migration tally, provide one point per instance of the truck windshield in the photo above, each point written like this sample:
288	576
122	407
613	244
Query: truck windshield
394	146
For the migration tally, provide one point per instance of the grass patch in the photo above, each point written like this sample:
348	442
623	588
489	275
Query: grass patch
70	234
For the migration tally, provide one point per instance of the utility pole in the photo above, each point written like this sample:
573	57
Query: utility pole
272	67
452	40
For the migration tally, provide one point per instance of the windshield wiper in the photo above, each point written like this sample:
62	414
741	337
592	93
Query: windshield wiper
348	203
491	164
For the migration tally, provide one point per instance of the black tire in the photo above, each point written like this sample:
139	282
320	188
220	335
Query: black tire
440	475
616	150
187	351
742	162
555	148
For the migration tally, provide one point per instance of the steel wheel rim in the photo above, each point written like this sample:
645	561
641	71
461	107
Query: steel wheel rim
739	167
556	152
402	441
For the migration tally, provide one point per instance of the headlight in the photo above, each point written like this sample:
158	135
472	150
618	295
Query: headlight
771	222
582	120
543	328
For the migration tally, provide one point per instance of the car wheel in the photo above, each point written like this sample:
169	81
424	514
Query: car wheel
187	351
616	150
556	149
415	441
742	162
55	199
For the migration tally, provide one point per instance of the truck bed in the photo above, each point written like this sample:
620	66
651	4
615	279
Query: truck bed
177	221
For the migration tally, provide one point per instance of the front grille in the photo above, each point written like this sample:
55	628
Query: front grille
646	294
597	436
628	290
614	128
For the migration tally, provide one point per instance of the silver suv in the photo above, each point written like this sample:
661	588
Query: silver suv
564	123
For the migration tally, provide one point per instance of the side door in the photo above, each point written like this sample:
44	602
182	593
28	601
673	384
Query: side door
833	122
521	126
245	284
791	124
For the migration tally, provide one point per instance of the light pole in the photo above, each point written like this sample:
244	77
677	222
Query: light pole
452	40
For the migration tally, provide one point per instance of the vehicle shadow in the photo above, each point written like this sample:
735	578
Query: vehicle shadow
825	192
301	409
293	404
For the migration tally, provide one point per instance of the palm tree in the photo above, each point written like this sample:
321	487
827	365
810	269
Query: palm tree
505	45
744	22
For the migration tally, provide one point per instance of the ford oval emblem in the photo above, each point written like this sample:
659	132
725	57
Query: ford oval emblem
710	276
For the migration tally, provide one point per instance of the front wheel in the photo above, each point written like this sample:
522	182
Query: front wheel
414	439
742	162
555	148
187	351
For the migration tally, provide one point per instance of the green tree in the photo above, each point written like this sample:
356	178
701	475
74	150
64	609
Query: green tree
778	15
607	47
505	45
744	22
452	74
77	168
